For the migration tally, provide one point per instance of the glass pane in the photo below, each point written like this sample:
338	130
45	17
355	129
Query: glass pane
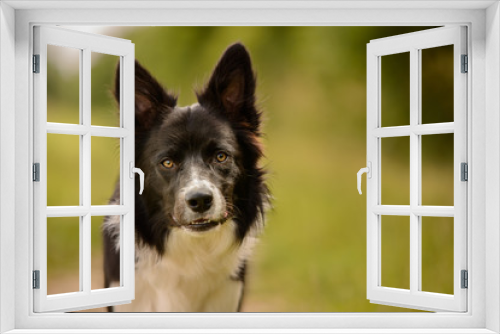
105	170
395	251
395	91
395	182
437	84
63	84
63	255
63	170
112	266
105	110
437	254
437	170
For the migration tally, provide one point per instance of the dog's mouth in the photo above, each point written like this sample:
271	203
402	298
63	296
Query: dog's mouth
205	224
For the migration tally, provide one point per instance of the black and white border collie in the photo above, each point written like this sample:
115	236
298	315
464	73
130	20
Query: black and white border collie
204	196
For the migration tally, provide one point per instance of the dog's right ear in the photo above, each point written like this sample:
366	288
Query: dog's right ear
151	99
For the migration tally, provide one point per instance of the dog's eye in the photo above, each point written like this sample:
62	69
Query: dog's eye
167	163
221	156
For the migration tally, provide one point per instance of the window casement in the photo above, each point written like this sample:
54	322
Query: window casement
85	131
483	147
415	44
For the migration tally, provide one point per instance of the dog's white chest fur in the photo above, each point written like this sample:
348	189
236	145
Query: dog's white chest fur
196	273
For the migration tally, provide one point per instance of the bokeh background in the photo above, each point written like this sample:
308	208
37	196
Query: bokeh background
312	89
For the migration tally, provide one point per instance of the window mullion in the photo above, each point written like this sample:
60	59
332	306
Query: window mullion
81	174
418	120
415	254
85	163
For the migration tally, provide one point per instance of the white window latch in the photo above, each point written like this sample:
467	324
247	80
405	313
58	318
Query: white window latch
368	171
133	170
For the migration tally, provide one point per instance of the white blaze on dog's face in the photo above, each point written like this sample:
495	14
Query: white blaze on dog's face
200	200
194	163
204	172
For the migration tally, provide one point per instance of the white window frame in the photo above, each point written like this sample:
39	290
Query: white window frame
85	43
414	44
483	21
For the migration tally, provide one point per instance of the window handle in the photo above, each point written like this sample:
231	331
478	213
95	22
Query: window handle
133	170
368	171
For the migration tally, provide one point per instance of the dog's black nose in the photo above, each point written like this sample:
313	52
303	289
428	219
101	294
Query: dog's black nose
199	200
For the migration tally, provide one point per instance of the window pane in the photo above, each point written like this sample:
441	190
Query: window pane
63	170
105	111
395	251
63	255
437	170
63	84
437	84
105	170
98	249
437	254
395	182
395	94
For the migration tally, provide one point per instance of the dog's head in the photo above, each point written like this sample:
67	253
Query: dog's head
201	161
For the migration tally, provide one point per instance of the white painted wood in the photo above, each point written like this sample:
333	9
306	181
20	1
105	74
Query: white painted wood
433	129
262	331
249	4
82	170
492	157
420	300
40	156
373	121
95	210
418	129
86	298
76	129
7	167
434	211
471	322
85	167
413	43
430	38
418	210
415	69
460	156
109	45
127	195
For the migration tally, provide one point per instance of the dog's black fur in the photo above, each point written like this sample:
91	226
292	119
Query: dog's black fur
224	120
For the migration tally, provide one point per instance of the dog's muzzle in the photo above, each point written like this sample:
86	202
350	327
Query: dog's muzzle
204	208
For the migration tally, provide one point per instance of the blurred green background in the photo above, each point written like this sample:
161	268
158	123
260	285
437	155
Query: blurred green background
312	89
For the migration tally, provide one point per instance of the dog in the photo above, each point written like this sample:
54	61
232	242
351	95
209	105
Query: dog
205	194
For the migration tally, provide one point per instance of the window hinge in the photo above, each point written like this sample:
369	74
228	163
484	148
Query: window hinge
36	63
36	279
465	279
464	172
465	64
36	172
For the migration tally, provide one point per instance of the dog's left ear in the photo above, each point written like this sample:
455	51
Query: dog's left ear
231	88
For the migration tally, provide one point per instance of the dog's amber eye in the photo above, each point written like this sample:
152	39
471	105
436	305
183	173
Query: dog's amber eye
221	156
167	163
